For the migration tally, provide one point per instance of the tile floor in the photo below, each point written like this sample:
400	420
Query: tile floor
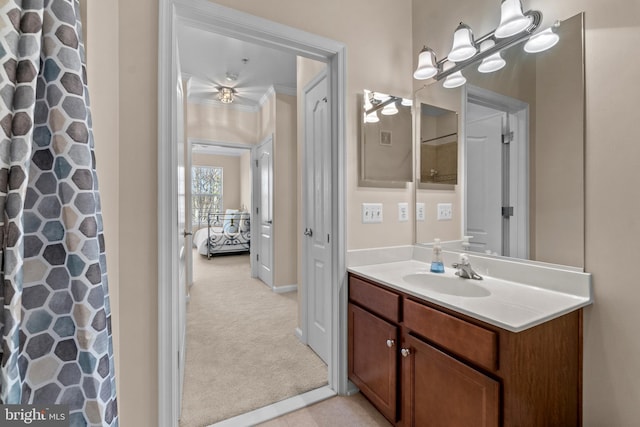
339	411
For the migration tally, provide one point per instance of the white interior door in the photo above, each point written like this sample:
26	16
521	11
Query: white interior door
484	182
264	211
317	248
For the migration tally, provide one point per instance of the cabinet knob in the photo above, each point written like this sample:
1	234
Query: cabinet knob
390	343
405	352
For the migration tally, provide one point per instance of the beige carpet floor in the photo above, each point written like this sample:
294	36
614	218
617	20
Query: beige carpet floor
241	350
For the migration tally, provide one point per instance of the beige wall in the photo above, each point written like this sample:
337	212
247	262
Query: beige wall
231	185
104	110
218	123
245	180
381	60
285	224
611	346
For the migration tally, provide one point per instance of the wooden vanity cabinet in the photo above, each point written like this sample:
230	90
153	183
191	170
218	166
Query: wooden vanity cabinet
373	344
452	370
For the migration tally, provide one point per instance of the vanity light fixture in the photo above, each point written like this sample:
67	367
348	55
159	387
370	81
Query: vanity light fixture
427	66
543	40
390	109
515	26
407	102
491	63
371	117
512	20
226	94
463	47
454	80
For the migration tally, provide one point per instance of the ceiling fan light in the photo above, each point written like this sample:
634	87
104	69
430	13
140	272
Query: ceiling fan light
226	95
512	20
454	80
463	46
542	41
427	67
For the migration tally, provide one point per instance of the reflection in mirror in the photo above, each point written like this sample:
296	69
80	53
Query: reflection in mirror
385	149
438	145
523	145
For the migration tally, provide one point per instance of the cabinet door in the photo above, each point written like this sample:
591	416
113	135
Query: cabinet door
373	359
440	391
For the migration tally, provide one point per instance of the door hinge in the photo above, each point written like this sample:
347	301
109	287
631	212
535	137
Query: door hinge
256	163
507	138
328	238
257	257
507	211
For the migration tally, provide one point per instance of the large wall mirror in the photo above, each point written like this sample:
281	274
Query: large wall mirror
520	189
385	150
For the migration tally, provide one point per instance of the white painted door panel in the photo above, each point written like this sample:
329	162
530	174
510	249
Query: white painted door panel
317	176
264	158
484	183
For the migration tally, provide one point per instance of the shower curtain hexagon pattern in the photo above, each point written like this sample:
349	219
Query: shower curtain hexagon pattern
55	322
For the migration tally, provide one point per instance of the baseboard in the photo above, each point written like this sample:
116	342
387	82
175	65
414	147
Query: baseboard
278	409
284	289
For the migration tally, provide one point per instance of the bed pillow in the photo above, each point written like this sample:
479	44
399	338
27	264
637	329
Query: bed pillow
244	221
231	220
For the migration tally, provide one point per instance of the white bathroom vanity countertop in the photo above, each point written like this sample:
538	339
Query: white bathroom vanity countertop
508	304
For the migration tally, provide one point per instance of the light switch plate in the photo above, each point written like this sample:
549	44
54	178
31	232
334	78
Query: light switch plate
419	211
445	211
403	212
371	213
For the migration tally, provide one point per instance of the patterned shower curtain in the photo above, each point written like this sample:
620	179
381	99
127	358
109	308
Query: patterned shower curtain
55	322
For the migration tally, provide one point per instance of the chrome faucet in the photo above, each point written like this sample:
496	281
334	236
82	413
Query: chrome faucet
464	268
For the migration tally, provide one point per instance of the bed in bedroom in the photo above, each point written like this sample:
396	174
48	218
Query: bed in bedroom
227	232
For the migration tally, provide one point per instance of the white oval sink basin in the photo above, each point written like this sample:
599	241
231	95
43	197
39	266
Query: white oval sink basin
455	286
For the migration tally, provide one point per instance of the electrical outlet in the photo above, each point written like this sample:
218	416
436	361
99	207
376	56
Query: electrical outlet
420	211
403	212
371	213
445	211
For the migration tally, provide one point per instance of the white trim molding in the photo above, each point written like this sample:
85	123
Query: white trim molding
218	19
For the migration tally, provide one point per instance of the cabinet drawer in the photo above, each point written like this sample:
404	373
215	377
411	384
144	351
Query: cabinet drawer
476	344
378	300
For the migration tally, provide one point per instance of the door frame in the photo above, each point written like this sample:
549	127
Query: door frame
232	23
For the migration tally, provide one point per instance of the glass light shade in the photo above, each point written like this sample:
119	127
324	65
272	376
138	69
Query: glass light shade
225	95
492	63
390	109
454	80
542	41
380	96
372	118
367	100
463	47
512	20
427	67
407	102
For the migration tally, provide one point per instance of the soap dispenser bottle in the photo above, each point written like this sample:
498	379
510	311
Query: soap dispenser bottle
436	262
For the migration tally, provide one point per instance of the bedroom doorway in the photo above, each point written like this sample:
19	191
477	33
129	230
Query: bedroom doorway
222	20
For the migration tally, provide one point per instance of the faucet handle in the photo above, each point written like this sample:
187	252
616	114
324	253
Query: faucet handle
463	259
